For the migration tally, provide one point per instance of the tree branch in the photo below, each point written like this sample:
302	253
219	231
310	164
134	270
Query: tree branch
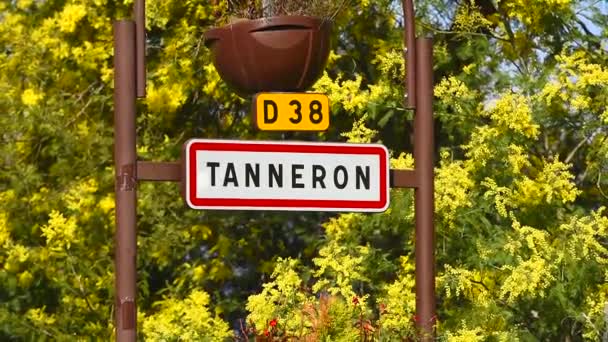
580	144
469	33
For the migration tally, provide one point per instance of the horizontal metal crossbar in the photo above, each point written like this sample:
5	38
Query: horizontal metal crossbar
172	172
159	171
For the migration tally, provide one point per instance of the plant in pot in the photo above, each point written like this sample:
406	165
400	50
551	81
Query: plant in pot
273	45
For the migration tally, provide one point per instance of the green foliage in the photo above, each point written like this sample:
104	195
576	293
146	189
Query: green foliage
522	231
187	319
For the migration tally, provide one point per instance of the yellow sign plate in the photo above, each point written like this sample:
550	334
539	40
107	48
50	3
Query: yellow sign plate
291	112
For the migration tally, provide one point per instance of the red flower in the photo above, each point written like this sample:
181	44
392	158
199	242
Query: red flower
266	333
273	323
355	300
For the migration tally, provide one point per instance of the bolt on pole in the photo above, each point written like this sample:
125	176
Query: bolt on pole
125	172
424	193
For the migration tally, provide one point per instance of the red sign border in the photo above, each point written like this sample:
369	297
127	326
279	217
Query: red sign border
193	145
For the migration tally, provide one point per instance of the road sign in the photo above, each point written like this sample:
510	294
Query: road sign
297	176
291	111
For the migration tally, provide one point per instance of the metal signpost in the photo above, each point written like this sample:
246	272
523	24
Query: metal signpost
424	206
126	179
250	175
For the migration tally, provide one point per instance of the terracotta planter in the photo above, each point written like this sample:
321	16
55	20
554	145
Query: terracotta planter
285	53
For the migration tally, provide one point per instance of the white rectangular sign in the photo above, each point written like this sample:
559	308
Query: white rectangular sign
299	176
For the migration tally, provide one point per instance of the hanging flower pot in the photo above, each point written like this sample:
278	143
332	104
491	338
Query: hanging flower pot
282	53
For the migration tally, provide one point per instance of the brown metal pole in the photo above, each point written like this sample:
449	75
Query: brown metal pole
139	10
409	39
125	168
424	196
